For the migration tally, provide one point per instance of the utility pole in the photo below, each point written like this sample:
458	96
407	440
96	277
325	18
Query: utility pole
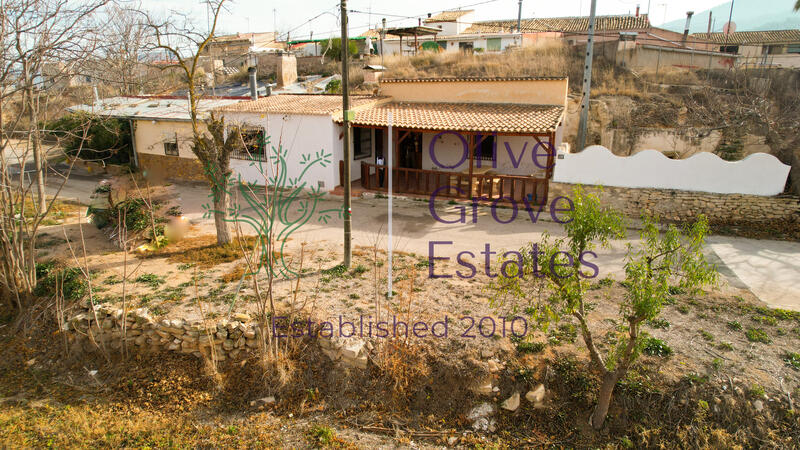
519	18
587	82
348	210
383	36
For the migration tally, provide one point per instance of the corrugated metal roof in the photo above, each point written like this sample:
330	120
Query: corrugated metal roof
753	37
476	117
448	16
155	108
563	24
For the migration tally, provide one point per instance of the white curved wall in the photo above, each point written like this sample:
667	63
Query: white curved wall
758	174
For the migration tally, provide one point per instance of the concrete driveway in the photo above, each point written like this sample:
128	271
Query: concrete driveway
770	269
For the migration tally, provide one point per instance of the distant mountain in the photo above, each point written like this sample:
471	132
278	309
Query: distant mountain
748	15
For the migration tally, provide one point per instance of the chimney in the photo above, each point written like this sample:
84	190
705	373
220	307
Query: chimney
429	15
419	22
251	71
637	10
686	29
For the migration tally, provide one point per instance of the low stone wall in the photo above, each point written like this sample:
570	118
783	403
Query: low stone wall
230	339
677	206
172	167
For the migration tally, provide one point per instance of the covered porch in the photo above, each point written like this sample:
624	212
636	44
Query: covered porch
490	152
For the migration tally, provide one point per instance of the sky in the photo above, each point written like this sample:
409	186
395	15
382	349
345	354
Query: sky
293	15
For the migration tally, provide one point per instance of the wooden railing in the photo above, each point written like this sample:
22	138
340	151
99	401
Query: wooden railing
502	188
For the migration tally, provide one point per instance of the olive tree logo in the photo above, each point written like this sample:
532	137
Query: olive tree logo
277	208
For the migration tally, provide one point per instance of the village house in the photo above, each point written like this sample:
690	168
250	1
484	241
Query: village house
161	131
486	137
773	48
458	31
483	137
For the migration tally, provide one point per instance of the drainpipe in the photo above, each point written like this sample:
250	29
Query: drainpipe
251	71
133	144
689	15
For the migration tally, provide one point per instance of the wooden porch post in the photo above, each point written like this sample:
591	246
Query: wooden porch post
471	161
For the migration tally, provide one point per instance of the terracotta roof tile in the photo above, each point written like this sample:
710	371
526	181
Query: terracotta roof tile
310	104
564	24
455	79
753	37
479	117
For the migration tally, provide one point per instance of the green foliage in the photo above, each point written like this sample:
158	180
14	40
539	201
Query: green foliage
734	325
757	335
151	279
555	291
792	359
135	214
70	281
662	324
656	347
322	435
706	335
333	87
333	48
530	347
105	138
757	391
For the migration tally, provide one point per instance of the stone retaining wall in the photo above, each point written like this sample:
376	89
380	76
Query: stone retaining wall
675	205
172	167
230	339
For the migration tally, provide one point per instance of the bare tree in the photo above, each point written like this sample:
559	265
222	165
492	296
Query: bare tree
120	63
184	44
46	42
43	42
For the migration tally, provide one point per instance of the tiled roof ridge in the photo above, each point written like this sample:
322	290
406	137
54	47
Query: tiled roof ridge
450	79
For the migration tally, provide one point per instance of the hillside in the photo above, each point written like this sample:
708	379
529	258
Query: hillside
748	15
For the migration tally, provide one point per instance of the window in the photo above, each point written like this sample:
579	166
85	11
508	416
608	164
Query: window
171	146
774	49
793	48
465	47
485	148
362	143
252	145
729	49
493	44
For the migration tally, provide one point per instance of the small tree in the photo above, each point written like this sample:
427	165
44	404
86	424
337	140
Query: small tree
185	44
333	47
655	261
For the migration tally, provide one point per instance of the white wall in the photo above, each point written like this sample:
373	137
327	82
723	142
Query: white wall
150	136
299	135
758	174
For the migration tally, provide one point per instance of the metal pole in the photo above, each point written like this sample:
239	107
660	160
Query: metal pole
389	235
519	18
728	31
383	36
348	210
587	82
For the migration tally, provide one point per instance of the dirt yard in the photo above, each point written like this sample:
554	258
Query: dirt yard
715	361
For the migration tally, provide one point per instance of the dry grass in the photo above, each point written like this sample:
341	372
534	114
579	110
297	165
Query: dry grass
549	58
203	251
